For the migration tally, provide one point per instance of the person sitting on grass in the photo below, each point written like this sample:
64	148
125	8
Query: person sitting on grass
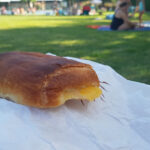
120	2
120	20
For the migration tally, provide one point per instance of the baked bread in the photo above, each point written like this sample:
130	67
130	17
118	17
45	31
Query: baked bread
45	81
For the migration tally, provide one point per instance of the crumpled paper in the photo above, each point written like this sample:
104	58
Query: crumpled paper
121	121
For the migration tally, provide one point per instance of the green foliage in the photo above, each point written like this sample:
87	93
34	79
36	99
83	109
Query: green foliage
127	52
113	1
147	5
27	1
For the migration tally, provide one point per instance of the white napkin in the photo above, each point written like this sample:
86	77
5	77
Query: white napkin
120	122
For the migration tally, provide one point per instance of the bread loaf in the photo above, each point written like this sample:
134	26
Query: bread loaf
45	81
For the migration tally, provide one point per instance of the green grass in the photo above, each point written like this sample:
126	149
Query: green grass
127	52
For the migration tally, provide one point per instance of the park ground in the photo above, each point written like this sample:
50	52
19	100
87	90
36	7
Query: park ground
127	52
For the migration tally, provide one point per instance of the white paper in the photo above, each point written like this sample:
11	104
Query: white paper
120	122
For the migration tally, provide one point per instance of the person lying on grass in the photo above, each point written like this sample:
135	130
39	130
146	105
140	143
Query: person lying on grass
121	20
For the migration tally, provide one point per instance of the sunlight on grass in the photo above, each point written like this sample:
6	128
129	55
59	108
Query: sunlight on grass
12	22
5	45
67	42
88	58
106	52
130	36
29	24
101	53
101	20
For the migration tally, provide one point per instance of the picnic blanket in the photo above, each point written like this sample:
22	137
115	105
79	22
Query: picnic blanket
93	26
107	28
120	122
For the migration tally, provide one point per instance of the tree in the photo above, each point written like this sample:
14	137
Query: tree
29	2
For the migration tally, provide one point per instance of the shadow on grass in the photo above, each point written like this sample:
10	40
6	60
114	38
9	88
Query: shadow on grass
127	52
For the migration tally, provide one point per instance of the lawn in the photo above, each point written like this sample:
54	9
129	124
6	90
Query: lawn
127	52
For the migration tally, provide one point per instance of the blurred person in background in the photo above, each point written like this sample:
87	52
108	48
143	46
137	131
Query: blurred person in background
86	9
3	10
121	20
141	10
122	1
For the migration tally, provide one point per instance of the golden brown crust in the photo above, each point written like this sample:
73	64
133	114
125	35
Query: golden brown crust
38	80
